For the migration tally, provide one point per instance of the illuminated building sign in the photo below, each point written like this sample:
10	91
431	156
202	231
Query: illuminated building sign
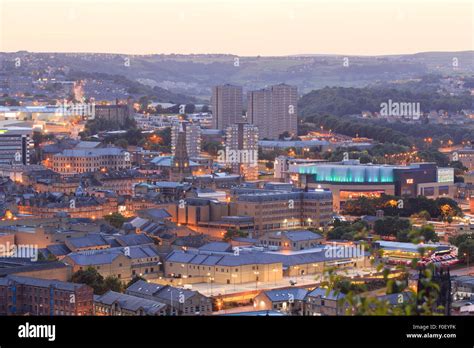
445	175
349	173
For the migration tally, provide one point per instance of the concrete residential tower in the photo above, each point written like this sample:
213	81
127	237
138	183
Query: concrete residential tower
226	106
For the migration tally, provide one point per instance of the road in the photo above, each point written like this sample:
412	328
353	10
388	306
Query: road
463	271
226	289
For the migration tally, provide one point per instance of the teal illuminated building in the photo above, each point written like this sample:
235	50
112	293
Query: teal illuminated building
349	173
349	180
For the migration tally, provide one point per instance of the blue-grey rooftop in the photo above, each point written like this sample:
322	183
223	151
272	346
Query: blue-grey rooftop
324	293
216	246
277	295
46	283
301	235
134	239
131	303
91	240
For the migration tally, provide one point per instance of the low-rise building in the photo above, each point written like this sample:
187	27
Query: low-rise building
117	304
291	240
76	161
180	301
287	300
350	179
33	296
322	301
280	210
124	263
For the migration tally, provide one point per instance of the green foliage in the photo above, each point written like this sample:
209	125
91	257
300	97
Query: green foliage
113	283
465	244
115	219
425	233
392	132
390	226
460	238
133	87
409	302
439	208
342	101
348	231
231	233
212	147
466	250
96	281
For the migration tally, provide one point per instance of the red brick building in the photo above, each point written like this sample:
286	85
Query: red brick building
35	296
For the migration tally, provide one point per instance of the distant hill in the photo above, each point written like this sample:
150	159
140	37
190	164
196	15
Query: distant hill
195	74
341	101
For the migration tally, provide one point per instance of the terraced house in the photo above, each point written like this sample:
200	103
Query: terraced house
33	296
122	262
179	301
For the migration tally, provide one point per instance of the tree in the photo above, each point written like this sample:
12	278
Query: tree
212	147
447	212
115	219
232	233
390	226
91	277
428	233
96	281
466	250
113	283
123	143
422	215
284	135
459	239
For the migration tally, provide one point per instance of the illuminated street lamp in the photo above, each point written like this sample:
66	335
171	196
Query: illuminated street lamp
256	278
211	279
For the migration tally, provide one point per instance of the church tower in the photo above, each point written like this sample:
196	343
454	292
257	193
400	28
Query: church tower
180	162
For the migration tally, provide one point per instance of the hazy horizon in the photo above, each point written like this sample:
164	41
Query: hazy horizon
232	54
237	27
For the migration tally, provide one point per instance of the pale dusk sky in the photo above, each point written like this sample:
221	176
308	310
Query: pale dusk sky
242	27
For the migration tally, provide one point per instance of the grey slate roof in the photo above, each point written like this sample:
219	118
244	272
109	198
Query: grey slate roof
323	293
129	302
35	266
156	213
393	299
134	239
144	288
90	240
93	259
58	249
43	282
278	295
166	293
216	246
92	152
302	235
106	256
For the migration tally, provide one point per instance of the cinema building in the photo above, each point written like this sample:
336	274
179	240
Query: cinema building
349	180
